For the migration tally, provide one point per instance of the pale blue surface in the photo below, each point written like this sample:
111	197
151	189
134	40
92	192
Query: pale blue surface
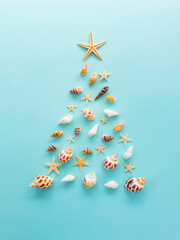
39	63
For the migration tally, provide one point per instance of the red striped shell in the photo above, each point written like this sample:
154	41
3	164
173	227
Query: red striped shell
135	184
111	162
65	155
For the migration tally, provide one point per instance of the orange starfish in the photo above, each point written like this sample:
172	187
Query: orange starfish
129	167
80	162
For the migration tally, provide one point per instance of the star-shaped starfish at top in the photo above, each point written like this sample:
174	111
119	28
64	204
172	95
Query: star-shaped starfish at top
70	139
125	139
104	75
129	167
104	120
80	162
100	149
71	108
92	48
53	166
87	97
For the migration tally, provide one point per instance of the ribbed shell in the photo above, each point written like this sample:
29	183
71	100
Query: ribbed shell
84	70
77	131
65	155
57	134
76	90
87	151
42	182
89	180
111	162
135	184
107	138
102	92
88	114
110	98
51	148
118	127
93	78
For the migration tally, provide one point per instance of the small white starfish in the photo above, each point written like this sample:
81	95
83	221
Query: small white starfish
71	108
104	75
100	148
125	139
87	97
70	139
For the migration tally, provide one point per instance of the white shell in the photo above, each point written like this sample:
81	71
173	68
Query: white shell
128	153
68	178
111	184
110	113
90	180
93	130
66	119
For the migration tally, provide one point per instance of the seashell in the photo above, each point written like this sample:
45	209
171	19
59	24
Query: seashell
128	153
66	119
42	182
110	98
107	138
84	70
135	184
110	113
93	130
102	92
93	78
65	155
87	151
88	113
57	134
90	180
51	148
111	162
68	178
77	131
118	127
76	90
111	184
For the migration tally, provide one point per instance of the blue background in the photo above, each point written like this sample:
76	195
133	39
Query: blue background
39	63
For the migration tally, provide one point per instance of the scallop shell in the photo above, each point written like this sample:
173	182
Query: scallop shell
88	114
57	134
89	180
107	138
110	98
111	184
110	162
66	119
93	78
87	151
118	127
68	178
65	155
77	131
135	184
76	90
93	130
102	92
110	113
51	148
128	153
84	70
42	182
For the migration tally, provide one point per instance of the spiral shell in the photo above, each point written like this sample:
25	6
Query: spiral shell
42	182
84	70
77	131
110	98
66	119
93	78
111	184
88	114
65	155
87	151
110	162
89	180
128	153
102	92
68	178
118	127
57	134
107	138
76	90
93	130
51	148
135	184
110	113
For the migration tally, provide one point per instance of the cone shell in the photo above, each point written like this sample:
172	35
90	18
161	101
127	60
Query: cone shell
111	184
77	131
107	138
102	92
68	178
93	130
84	70
65	155
110	113
111	162
87	151
93	78
111	98
57	134
118	127
76	90
135	184
88	114
42	182
51	148
128	153
89	180
66	119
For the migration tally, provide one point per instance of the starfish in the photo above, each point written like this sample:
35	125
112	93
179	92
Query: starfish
53	166
104	120
71	108
87	98
129	167
70	139
80	162
100	149
125	139
92	48
104	75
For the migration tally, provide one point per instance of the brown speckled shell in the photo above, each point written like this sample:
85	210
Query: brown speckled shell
135	184
65	155
111	162
42	182
88	114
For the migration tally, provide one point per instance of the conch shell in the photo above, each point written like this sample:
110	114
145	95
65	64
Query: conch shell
93	78
102	92
110	113
76	90
88	114
110	162
42	182
118	127
84	70
66	119
135	184
90	180
93	130
87	151
68	178
51	148
128	153
57	134
111	184
77	131
65	155
110	98
107	138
